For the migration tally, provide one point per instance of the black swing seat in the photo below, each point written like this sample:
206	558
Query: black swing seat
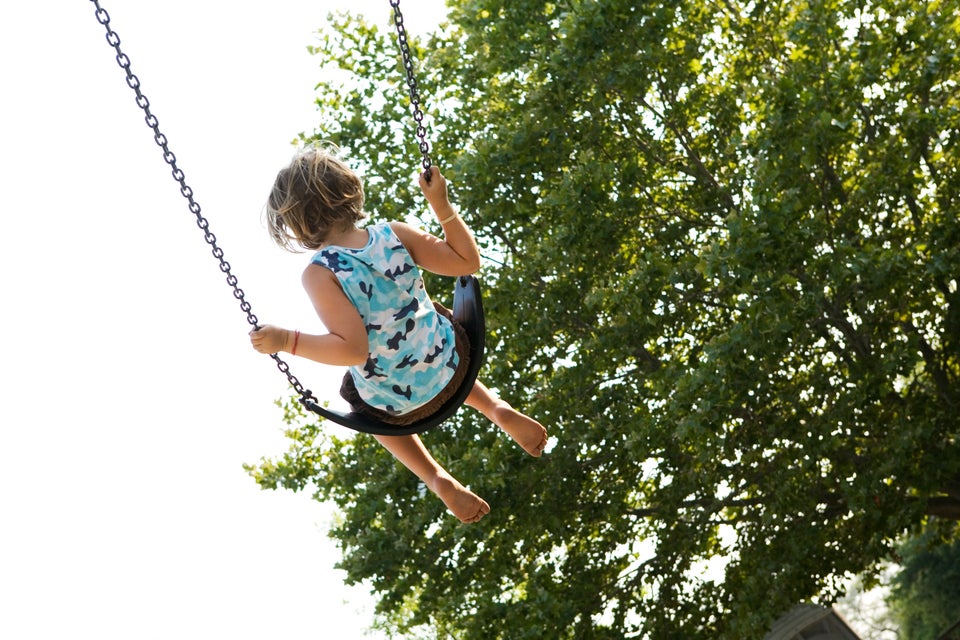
468	309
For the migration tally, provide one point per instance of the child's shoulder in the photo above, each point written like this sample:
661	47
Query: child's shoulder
386	233
387	228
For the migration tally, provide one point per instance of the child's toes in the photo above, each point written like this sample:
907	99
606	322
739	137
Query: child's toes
537	440
463	503
542	446
482	510
525	431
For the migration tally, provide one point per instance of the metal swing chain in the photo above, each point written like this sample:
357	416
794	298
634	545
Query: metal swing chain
134	83
412	85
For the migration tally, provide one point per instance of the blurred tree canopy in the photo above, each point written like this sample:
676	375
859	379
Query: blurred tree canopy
722	253
925	595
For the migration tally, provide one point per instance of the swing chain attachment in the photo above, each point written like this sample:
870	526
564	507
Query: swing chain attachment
134	83
412	85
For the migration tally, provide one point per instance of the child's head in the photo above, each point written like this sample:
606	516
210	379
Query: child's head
317	193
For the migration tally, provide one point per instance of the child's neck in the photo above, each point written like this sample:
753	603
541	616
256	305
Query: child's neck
351	238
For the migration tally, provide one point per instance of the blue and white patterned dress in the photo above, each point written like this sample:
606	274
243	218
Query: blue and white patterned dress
412	354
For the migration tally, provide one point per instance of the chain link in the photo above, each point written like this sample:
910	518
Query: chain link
134	83
412	85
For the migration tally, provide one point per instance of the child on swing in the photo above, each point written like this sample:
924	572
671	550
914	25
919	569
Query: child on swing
405	354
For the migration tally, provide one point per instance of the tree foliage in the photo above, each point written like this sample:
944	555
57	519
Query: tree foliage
925	599
722	254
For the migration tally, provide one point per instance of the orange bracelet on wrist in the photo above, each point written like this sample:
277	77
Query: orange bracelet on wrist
296	339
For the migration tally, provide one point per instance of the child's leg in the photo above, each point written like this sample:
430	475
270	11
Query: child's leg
409	450
527	432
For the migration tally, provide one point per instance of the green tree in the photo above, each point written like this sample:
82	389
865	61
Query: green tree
722	254
925	595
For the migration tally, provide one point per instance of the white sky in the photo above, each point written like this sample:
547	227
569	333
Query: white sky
130	395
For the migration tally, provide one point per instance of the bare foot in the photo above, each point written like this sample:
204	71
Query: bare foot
463	503
526	432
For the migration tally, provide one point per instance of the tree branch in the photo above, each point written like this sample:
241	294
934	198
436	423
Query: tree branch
944	507
940	377
712	504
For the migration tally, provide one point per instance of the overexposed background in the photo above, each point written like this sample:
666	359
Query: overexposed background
130	397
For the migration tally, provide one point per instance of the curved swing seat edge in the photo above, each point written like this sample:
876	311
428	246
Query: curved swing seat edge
468	310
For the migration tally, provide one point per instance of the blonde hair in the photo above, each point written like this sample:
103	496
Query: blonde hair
315	194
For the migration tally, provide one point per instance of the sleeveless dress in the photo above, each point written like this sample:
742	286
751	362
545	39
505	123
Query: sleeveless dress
416	353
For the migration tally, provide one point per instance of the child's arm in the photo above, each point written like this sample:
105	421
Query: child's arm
456	254
344	345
